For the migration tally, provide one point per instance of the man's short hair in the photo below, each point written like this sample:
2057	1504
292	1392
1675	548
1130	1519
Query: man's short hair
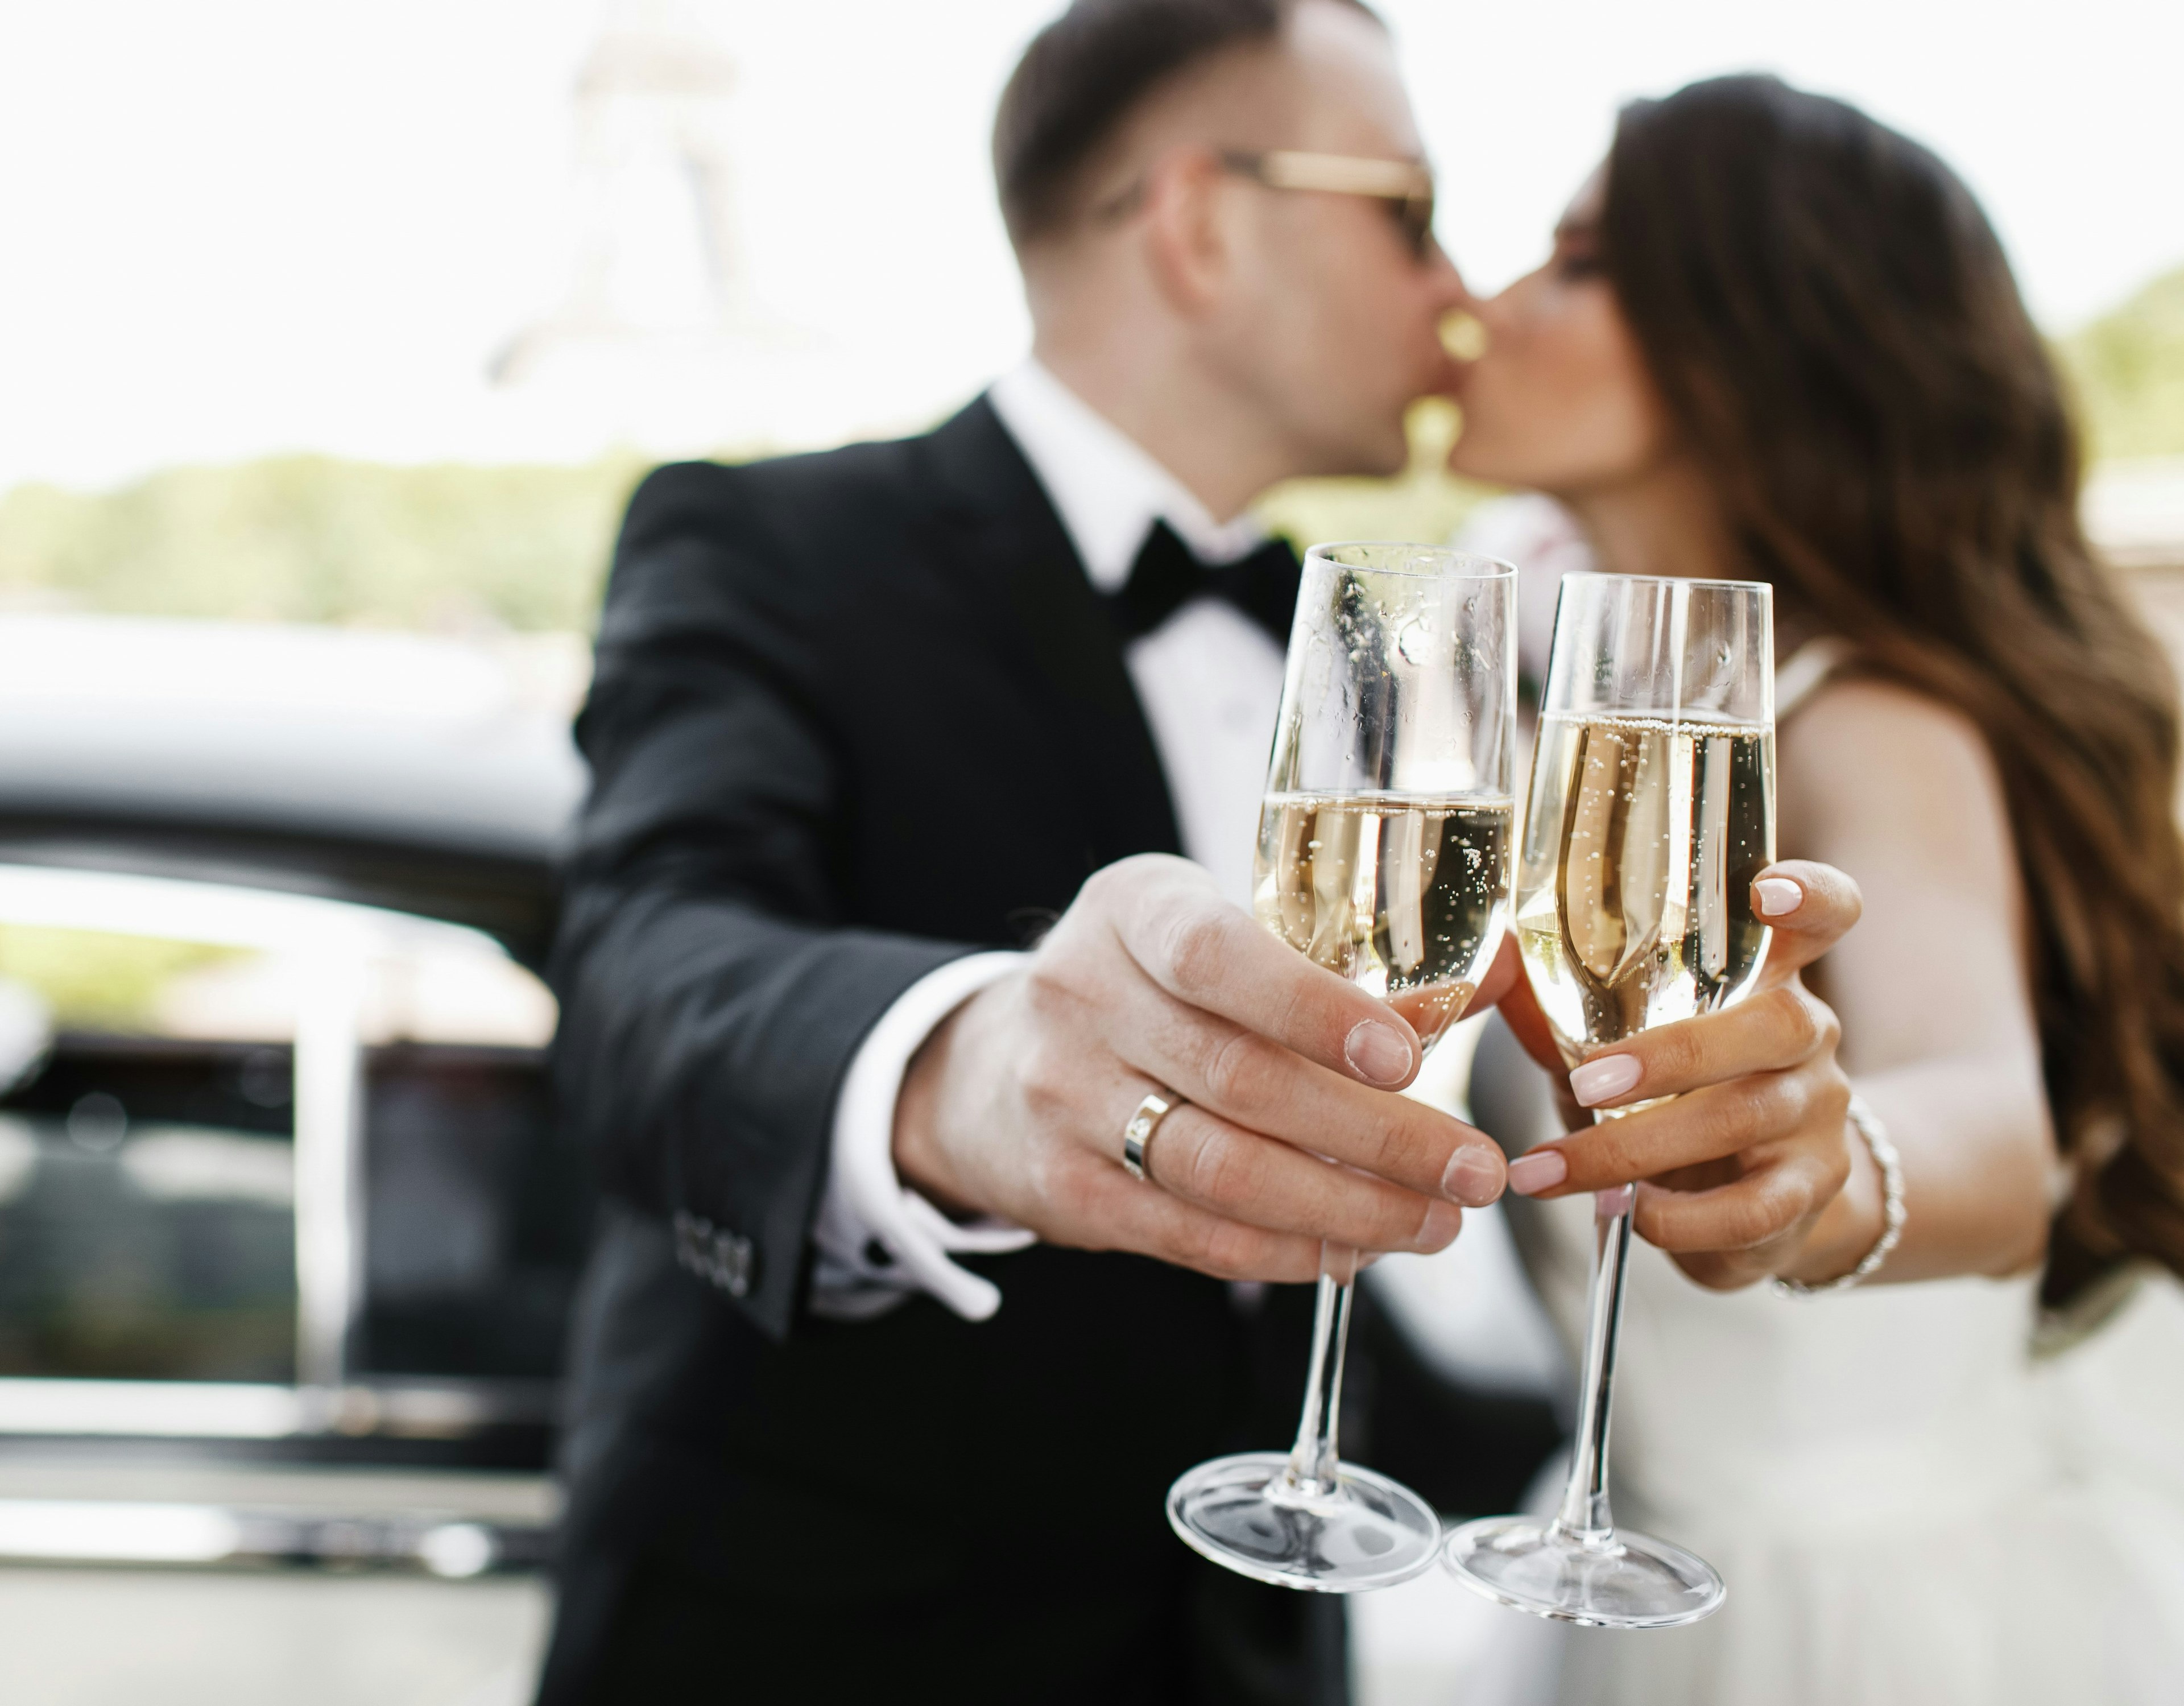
1085	72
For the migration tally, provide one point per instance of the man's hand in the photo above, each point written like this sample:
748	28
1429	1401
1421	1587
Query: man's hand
1742	1172
1015	1106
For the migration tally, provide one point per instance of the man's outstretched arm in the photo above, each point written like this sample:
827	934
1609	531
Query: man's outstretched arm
714	1004
711	1001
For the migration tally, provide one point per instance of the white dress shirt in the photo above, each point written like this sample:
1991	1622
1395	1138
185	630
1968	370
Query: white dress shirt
1210	680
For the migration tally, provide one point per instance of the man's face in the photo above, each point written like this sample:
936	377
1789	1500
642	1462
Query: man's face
1331	321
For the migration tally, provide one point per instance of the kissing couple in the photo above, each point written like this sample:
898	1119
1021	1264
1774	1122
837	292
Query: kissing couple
925	783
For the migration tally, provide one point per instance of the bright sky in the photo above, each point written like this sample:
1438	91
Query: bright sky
244	226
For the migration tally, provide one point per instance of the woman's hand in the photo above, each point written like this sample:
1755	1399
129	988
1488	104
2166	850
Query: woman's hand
1743	1174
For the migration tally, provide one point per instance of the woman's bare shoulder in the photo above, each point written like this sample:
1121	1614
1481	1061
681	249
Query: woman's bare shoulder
1866	756
1861	720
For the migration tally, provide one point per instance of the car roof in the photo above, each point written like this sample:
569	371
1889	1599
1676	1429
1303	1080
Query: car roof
430	774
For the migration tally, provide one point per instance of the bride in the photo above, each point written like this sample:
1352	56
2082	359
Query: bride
1776	340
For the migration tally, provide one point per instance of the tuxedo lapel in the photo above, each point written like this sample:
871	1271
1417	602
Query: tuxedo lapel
1050	630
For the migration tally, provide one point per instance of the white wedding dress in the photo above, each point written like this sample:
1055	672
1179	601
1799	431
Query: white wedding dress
1908	1510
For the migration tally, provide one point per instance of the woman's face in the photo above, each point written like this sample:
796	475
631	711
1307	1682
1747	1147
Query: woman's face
1560	400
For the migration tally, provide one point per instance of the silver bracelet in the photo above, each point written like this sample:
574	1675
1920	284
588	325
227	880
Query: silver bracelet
1893	1212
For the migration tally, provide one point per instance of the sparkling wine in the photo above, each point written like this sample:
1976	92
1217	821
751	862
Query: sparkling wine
1634	886
1405	897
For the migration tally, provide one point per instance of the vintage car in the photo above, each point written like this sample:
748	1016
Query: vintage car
287	1242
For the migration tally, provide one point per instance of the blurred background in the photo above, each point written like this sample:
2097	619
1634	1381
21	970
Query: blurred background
334	339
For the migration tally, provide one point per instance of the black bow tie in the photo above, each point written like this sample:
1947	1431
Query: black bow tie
1167	576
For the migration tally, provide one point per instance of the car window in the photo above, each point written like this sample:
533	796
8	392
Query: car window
148	1150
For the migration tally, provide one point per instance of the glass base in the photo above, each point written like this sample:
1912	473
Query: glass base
1369	1533
1629	1581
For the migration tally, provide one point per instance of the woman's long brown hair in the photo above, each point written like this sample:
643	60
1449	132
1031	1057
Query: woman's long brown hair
1834	327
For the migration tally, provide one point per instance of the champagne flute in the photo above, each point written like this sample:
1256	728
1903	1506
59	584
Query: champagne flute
1383	854
1651	809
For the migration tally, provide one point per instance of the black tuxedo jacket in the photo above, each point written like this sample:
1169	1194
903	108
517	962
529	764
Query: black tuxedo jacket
856	714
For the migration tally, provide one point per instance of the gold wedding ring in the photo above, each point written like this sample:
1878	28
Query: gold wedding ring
1137	1134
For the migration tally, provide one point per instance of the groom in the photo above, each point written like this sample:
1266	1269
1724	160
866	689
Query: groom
859	1415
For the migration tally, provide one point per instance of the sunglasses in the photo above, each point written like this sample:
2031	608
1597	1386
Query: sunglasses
1405	185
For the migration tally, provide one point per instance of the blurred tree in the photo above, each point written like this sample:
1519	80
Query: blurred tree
317	539
92	980
2129	366
1425	502
314	538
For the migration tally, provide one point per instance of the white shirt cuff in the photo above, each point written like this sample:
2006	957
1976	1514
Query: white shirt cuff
878	1242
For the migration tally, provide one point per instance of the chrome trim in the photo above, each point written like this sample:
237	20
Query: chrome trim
94	1531
208	1410
329	1079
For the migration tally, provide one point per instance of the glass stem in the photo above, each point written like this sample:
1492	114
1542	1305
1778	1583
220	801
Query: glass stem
1314	1458
1583	1515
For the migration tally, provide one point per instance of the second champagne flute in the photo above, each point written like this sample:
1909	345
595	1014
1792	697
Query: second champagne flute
1651	811
1383	854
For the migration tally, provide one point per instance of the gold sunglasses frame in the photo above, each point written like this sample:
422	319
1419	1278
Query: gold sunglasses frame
1406	183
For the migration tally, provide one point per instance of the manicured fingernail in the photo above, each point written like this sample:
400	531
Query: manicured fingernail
1606	1079
1543	1169
1380	1053
1473	1175
1778	897
1438	1230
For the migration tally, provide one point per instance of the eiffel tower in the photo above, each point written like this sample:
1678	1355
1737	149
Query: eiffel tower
655	270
